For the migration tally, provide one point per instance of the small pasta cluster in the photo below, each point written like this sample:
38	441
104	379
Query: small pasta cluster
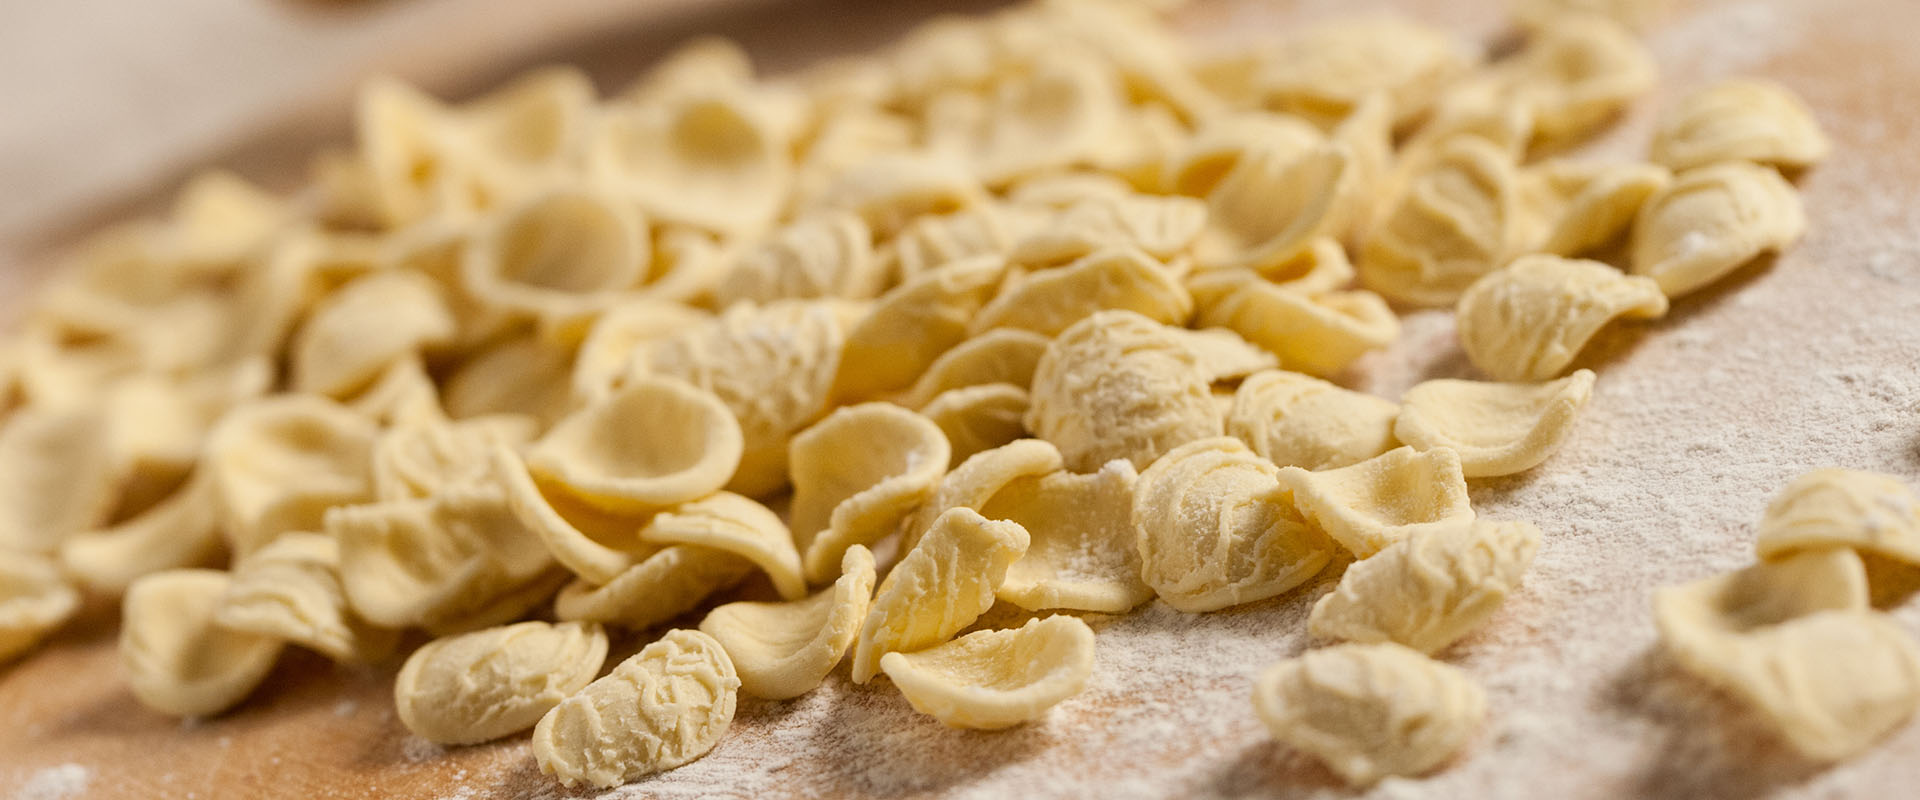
1039	306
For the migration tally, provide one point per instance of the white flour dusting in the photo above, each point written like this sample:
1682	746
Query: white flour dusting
55	783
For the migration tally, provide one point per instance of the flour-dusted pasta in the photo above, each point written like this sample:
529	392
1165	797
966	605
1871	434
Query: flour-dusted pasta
667	705
1496	428
597	545
1119	385
652	443
730	523
356	332
426	455
1454	221
1203	161
1428	591
712	158
856	475
1742	119
981	476
976	419
1320	268
1271	205
1712	220
1160	226
888	191
35	600
600	364
666	584
290	590
517	375
912	325
1224	355
996	679
1297	420
180	530
479	686
1569	208
427	562
1317	334
1080	553
176	660
281	463
1576	74
1324	71
1529	320
1215	527
944	583
1696	617
1397	495
56	476
1370	711
784	650
934	240
562	253
1049	301
1057	113
1867	511
1002	355
826	255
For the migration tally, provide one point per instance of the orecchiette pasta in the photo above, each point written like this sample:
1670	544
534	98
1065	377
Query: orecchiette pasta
1002	355
1710	221
976	419
730	523
1049	301
1497	428
1056	115
981	476
667	705
353	335
888	191
279	464
290	590
496	682
828	255
939	587
1119	385
665	585
1270	207
1866	511
600	364
1739	120
1296	420
712	159
1527	321
426	562
56	477
1324	71
521	375
1321	267
652	443
1369	711
856	475
784	650
996	679
426	455
1454	221
596	545
1160	226
176	660
180	530
1316	334
1225	356
1568	208
34	601
1576	74
1396	495
558	254
912	325
1080	553
1428	591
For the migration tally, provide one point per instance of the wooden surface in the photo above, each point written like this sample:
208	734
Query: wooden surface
1803	362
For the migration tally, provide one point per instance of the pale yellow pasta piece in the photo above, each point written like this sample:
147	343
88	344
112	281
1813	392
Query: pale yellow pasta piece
773	366
1297	420
888	191
418	162
34	602
281	463
496	682
652	443
981	476
557	254
426	455
1161	226
713	159
1742	119
701	63
785	650
597	545
357	332
1399	494
1321	267
1366	134
665	585
739	525
180	530
519	375
1527	321
157	424
1215	528
600	365
57	476
1081	552
934	240
176	660
842	141
1496	428
1454	221
996	679
979	418
1216	147
944	583
1569	208
1697	617
1370	711
1225	355
508	605
1324	71
1057	113
667	705
856	475
1316	334
1712	220
912	325
1049	301
826	255
1428	591
1866	511
425	562
1119	385
290	590
1578	73
219	219
1002	355
1270	207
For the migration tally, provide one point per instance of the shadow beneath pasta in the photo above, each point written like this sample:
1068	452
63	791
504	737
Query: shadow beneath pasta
1266	768
1616	341
1702	744
879	746
1889	582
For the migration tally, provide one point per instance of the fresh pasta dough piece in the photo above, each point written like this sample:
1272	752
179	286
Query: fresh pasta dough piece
667	705
402	396
730	523
944	583
557	254
1319	268
1576	74
932	241
1297	420
417	160
652	443
176	659
1270	207
356	332
1056	114
506	606
784	650
1496	428
1215	528
520	375
427	455
597	545
990	680
219	219
1316	334
1397	495
1369	711
1080	553
281	463
34	602
977	479
1697	617
976	419
1049	301
1428	591
912	325
1225	355
290	590
890	190
1163	227
665	585
480	686
826	255
421	562
1710	221
57	476
1119	385
600	365
1527	321
1569	208
1454	222
1324	71
1002	355
712	159
1866	511
1206	159
180	530
534	124
1742	119
856	475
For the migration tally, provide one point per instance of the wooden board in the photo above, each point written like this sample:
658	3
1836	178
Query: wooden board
1796	363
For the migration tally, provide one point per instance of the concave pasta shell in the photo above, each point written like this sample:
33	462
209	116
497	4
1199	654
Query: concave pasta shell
996	679
976	419
711	159
1396	495
421	562
1710	221
1119	385
35	600
558	253
856	475
1741	119
912	325
1369	711
1049	301
356	332
1526	322
784	650
1431	590
1001	355
281	463
1081	553
290	590
596	545
667	705
652	443
1497	428
665	585
739	525
1317	334
944	583
177	661
479	686
1297	420
1865	511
